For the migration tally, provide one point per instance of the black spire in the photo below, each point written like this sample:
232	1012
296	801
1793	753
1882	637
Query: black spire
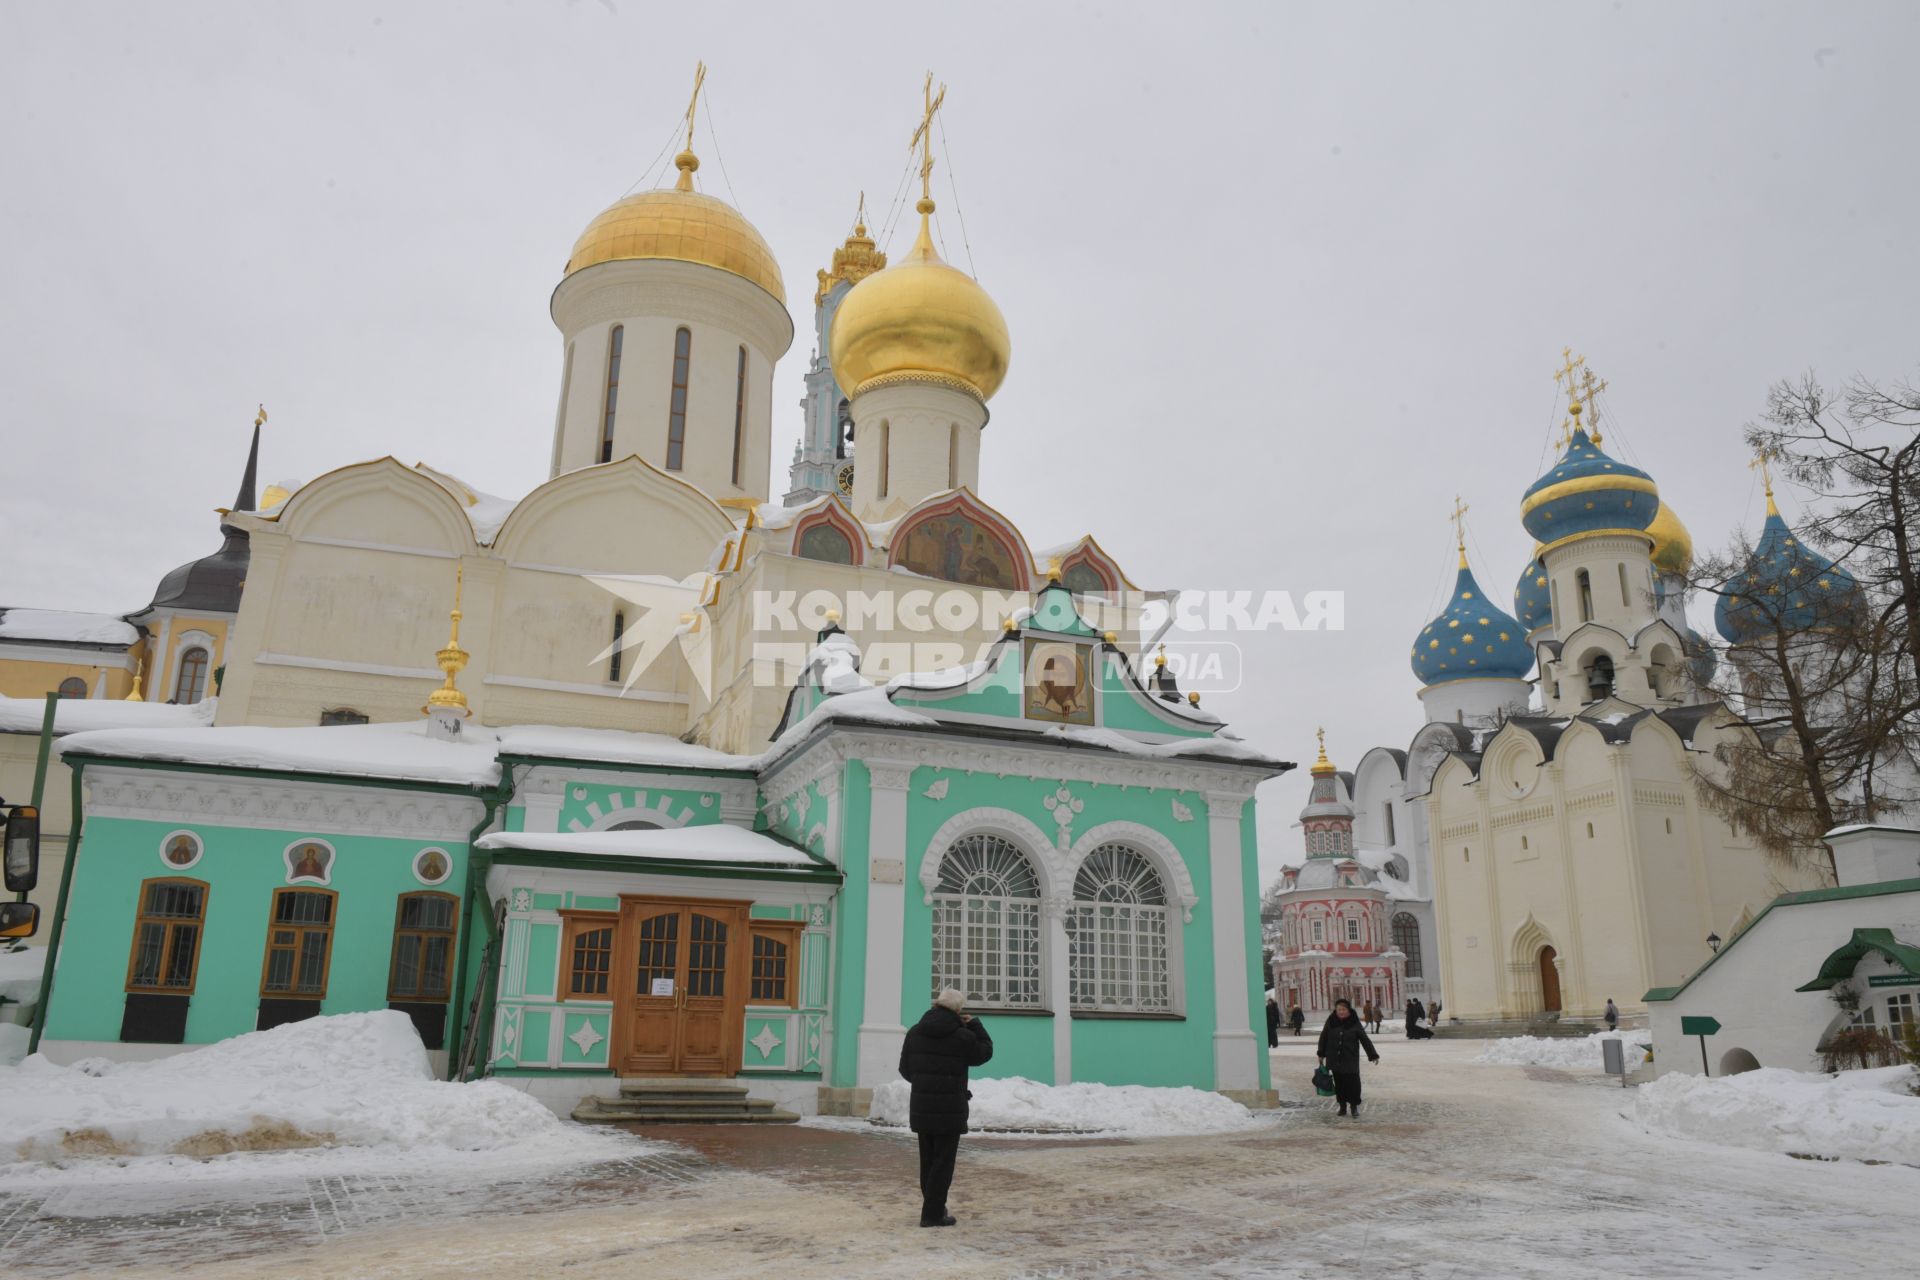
246	501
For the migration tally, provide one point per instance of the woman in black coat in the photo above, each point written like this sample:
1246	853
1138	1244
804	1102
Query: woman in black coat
1341	1041
934	1060
1273	1022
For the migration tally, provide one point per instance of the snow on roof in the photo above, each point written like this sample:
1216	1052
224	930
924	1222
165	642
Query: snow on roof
398	751
615	746
485	511
66	627
78	715
712	842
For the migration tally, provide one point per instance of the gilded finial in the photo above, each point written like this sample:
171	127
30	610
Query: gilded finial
1111	637
1194	697
1053	569
686	161
1007	623
853	261
923	139
260	419
451	659
1322	766
139	669
1459	519
1160	656
1763	462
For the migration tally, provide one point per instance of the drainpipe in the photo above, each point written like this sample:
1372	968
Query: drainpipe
59	914
478	862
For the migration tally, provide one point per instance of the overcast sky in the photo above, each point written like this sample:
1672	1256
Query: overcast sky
1280	279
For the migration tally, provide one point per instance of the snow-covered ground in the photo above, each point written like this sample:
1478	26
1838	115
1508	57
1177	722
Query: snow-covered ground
1856	1115
1570	1052
352	1090
1027	1106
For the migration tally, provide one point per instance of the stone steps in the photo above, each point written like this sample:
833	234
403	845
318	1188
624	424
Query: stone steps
680	1102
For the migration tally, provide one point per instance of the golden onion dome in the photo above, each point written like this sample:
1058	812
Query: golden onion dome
1672	544
920	320
679	224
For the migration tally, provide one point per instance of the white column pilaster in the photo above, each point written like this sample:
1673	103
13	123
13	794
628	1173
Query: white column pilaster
881	1031
1235	1051
1059	984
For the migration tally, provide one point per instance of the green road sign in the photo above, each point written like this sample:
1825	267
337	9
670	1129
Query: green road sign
1699	1026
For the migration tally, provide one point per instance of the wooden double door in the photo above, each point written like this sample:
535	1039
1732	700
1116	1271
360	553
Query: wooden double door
681	969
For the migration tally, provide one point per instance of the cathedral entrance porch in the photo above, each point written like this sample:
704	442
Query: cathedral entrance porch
682	998
1549	980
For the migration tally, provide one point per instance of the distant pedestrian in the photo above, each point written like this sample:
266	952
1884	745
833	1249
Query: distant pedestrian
1379	1016
1415	1013
1297	1019
1434	1018
934	1060
1341	1041
1613	1015
1273	1021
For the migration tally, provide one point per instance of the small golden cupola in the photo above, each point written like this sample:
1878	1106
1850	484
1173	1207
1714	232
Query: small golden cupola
921	320
447	706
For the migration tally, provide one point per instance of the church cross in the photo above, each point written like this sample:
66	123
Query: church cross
699	78
1459	518
1590	388
1570	371
1762	462
923	136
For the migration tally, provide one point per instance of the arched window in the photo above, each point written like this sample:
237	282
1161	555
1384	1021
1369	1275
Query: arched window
1388	810
73	687
166	936
299	944
615	341
740	415
677	402
986	924
1584	582
191	684
885	432
1406	937
1624	601
1117	934
619	630
635	824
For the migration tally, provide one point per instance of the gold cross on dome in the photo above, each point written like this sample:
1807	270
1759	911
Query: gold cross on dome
923	136
1321	736
1762	462
1589	388
699	78
1459	518
1570	370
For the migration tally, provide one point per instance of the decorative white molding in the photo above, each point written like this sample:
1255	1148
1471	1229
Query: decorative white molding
1225	805
1180	811
586	690
154	795
1064	807
1049	862
889	775
351	668
1158	849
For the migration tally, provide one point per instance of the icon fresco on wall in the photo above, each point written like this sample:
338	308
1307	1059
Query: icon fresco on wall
431	866
1059	678
310	861
826	541
180	850
958	548
1082	578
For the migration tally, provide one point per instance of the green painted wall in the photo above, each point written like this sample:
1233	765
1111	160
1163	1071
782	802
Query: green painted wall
242	868
1120	1051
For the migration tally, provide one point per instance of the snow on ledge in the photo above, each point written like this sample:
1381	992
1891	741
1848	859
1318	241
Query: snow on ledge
79	715
401	751
712	842
66	627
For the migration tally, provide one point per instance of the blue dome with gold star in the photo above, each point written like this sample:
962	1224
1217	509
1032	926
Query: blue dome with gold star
1588	492
1532	602
1785	587
1471	639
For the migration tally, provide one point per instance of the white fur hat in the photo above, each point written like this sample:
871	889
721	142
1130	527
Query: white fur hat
951	998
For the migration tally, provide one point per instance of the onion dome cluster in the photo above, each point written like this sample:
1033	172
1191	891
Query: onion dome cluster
1785	587
1587	492
1532	601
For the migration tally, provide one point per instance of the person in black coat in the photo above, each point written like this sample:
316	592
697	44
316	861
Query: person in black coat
1297	1019
934	1060
1273	1021
1341	1041
1415	1013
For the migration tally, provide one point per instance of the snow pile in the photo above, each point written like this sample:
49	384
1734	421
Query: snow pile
1571	1052
357	1080
14	1039
1857	1115
1131	1110
77	715
355	750
20	968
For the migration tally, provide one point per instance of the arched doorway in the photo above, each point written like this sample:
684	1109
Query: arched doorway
1735	1061
1549	980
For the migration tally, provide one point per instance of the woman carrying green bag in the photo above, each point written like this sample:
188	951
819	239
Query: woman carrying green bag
1341	1041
